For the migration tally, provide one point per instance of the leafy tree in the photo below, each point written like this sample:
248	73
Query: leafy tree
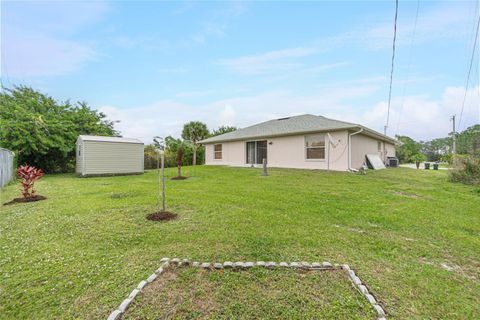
43	131
407	149
468	141
222	130
194	131
436	149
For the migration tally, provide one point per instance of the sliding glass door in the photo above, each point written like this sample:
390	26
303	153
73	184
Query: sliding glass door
256	151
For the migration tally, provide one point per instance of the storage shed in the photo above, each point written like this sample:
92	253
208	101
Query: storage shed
97	155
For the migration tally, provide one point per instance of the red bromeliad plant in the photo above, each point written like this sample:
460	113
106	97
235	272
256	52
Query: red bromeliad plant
28	175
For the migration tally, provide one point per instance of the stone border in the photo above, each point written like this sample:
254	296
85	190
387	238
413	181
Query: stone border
165	263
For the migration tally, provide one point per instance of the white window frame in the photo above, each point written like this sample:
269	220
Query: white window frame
324	148
215	152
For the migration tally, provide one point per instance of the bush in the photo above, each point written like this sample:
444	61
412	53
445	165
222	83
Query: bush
466	170
28	175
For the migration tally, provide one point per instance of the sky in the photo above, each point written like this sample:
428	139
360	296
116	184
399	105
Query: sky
155	65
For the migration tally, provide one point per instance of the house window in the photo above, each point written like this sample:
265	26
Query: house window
315	147
217	149
79	150
379	146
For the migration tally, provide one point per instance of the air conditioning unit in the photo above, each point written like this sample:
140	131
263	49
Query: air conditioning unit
392	162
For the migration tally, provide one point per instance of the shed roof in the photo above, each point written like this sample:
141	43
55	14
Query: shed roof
301	124
109	139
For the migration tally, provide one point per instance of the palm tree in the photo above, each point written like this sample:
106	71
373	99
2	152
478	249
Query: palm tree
195	131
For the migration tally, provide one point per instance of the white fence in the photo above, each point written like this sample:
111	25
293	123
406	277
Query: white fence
6	166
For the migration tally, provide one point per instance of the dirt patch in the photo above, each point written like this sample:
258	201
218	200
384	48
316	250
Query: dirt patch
162	216
179	178
187	293
23	200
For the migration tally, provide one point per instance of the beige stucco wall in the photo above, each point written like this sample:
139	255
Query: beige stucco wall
110	158
287	152
362	145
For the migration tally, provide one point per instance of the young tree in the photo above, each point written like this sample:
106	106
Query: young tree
28	176
176	148
195	131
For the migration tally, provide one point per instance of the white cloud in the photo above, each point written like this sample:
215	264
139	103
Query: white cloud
34	54
272	61
422	117
227	116
36	37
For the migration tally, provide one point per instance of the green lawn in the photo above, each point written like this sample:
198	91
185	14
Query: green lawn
189	293
410	235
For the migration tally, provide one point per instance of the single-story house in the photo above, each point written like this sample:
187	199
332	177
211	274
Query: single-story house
98	155
305	142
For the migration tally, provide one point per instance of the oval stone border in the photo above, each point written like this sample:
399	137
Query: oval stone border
165	263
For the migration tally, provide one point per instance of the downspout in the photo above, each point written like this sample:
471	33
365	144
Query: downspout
350	148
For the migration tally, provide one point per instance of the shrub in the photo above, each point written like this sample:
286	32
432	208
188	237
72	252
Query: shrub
466	170
28	176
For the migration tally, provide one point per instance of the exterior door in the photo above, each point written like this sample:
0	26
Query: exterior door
256	151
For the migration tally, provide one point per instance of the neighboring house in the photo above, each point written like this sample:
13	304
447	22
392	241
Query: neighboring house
305	141
98	155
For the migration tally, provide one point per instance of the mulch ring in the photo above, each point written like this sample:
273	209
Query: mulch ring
162	216
179	178
23	200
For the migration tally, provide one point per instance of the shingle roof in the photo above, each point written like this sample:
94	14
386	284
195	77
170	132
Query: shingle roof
109	139
289	126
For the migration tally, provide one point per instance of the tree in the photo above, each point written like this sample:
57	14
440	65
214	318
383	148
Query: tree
43	131
407	149
222	130
468	141
194	131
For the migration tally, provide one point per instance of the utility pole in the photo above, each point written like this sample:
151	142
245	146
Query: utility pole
454	137
385	130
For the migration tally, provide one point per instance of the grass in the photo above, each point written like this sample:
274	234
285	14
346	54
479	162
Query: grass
188	293
412	236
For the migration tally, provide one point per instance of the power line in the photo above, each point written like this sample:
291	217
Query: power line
469	71
408	67
393	59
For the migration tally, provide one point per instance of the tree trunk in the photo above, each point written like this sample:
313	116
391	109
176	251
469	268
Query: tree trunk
194	162
179	169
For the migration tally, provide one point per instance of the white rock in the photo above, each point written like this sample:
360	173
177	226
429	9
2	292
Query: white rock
175	261
166	264
124	305
228	264
238	264
195	264
159	270
133	294
185	262
294	265
316	265
270	264
218	266
357	281
379	310
305	264
115	315
261	263
327	264
164	259
205	265
371	298
248	264
363	289
152	277
351	274
283	264
345	267
142	285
